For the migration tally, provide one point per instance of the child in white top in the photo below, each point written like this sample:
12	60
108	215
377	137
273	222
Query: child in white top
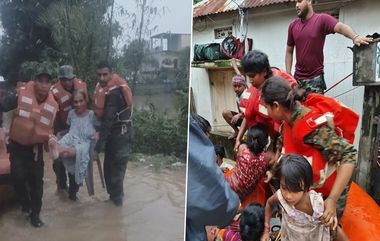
301	207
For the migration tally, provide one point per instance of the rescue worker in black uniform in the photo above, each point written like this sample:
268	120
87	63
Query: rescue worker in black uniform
31	128
113	106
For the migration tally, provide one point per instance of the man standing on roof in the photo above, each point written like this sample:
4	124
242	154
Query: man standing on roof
62	92
113	106
307	34
32	125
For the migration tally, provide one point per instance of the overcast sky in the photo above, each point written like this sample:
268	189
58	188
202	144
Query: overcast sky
177	17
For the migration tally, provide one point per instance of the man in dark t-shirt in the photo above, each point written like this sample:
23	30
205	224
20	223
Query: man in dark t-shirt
307	34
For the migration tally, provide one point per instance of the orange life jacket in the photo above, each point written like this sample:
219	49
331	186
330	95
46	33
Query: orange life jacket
32	121
345	120
322	107
100	93
284	75
64	98
256	113
244	100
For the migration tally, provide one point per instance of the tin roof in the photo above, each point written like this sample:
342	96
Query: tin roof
207	7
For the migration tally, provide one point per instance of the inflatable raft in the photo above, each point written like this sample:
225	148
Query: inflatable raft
361	218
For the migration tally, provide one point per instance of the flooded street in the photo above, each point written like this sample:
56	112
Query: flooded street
154	206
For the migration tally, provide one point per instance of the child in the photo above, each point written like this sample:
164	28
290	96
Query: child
310	131
247	226
74	147
251	163
302	208
220	154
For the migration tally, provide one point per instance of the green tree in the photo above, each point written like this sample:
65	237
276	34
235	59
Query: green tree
82	31
23	39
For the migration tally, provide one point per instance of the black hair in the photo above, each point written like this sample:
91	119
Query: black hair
251	222
296	171
256	62
104	64
257	139
219	150
279	90
202	123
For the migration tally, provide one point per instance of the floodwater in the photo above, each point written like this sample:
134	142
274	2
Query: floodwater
154	207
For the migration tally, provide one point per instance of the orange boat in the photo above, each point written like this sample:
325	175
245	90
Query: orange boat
361	218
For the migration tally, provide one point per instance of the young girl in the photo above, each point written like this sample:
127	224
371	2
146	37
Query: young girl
309	131
251	163
74	147
302	209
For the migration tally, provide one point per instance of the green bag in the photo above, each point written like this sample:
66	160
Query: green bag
208	52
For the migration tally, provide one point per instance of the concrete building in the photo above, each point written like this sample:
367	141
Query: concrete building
266	22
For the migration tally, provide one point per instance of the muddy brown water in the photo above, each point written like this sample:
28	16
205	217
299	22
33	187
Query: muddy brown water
154	209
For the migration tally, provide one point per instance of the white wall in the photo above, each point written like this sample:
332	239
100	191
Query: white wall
202	93
269	33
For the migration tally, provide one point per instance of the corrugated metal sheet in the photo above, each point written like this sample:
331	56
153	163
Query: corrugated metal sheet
207	7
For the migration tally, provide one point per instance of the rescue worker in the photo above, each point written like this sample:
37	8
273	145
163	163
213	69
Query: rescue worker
32	125
316	133
62	92
113	106
256	66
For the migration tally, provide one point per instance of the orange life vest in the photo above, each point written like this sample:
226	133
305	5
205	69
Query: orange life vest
293	143
256	113
64	98
345	122
244	100
32	121
284	75
100	93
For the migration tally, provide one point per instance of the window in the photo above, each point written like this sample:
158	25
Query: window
221	33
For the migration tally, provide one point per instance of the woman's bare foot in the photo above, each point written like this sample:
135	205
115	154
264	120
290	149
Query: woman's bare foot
53	147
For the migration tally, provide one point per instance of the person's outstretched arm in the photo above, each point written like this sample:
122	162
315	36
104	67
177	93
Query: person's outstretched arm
242	130
273	200
234	65
348	32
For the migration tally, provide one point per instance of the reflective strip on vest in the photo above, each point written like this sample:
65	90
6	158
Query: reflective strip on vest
263	110
26	100
65	98
49	108
24	113
45	120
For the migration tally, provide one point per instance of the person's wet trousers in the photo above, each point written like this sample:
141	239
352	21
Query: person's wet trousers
27	170
115	164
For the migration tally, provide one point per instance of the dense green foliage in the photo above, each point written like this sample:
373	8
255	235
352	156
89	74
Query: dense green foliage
155	134
23	39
